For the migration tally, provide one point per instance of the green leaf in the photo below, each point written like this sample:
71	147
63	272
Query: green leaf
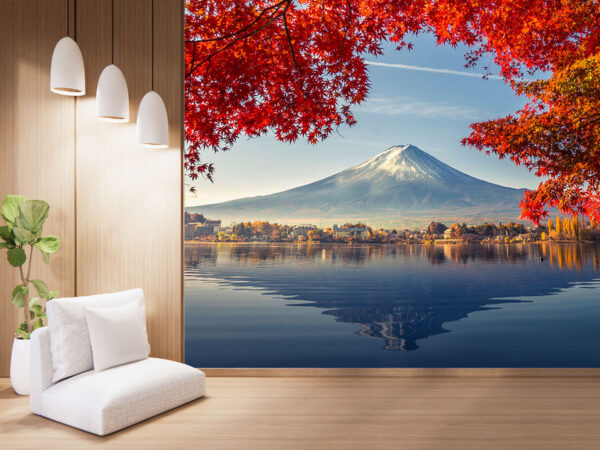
36	311
38	323
40	287
6	245
10	208
6	234
35	308
48	244
18	295
52	294
45	257
32	215
22	332
16	257
22	235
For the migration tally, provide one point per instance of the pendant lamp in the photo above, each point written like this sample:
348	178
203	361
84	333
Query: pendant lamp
67	75
112	96
152	127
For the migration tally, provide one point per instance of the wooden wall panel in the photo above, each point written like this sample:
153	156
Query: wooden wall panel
36	144
129	225
115	206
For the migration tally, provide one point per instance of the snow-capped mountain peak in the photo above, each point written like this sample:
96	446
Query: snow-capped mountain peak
401	185
405	162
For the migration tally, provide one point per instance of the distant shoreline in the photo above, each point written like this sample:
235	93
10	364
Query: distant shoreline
436	242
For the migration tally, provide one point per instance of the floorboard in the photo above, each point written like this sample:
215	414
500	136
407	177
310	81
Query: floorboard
446	413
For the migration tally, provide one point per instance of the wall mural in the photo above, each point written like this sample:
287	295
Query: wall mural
388	244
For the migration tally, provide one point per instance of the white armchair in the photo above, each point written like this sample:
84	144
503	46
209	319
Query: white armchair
107	401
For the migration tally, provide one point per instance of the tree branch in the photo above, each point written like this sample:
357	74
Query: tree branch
289	39
272	19
243	29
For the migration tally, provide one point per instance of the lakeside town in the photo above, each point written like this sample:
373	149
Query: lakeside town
559	229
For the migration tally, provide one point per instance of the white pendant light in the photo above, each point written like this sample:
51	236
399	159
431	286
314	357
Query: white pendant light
152	127
67	75
112	96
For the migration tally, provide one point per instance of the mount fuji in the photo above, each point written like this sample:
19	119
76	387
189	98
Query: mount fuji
402	186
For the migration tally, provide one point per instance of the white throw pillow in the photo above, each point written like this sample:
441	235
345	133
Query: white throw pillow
117	335
69	336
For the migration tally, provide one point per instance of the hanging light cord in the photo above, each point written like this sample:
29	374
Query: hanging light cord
152	37
74	20
112	30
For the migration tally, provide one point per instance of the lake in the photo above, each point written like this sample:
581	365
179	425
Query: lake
377	305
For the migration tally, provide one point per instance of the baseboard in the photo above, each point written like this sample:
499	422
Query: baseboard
404	372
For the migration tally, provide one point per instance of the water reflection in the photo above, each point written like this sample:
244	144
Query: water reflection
563	256
399	294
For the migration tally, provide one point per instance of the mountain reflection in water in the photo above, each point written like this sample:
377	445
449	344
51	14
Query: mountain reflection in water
398	294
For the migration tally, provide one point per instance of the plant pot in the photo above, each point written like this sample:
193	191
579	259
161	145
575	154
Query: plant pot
19	366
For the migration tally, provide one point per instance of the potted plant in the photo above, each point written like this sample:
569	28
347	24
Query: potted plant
21	234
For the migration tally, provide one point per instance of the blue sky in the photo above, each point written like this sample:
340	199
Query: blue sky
430	108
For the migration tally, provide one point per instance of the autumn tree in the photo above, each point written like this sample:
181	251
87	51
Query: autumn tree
276	234
558	227
574	227
581	233
296	69
566	227
313	235
263	228
557	136
436	228
458	230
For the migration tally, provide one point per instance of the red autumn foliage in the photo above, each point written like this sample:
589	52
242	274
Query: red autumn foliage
297	67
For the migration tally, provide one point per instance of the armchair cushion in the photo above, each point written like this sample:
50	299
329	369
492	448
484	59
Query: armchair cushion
69	334
104	402
117	335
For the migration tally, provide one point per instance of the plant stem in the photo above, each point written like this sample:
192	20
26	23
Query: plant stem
25	282
29	267
26	312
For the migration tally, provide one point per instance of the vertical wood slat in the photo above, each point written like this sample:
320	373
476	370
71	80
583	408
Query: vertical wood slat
169	83
36	144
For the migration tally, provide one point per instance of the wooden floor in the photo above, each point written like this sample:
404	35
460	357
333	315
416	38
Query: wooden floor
442	413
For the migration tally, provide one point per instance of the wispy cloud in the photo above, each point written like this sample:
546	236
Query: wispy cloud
404	106
461	73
